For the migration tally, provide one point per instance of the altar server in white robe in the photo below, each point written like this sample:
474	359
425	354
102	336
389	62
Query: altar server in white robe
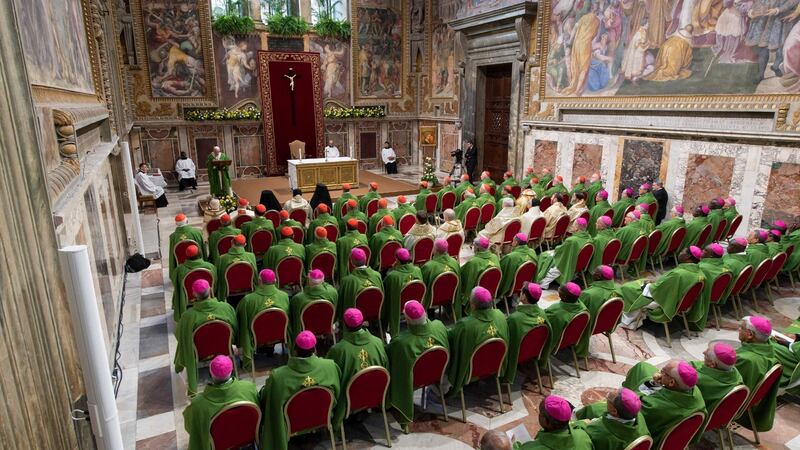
147	187
298	202
331	151
185	168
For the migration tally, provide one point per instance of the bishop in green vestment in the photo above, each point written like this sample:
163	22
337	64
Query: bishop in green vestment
266	296
447	186
372	194
527	316
669	227
422	197
323	218
284	248
403	209
716	374
788	354
360	278
695	226
320	244
729	212
303	370
205	309
602	237
475	266
258	223
560	314
315	289
223	390
754	359
645	221
287	222
715	217
344	244
387	233
646	194
557	432
620	206
615	422
194	261
469	201
793	262
219	180
593	297
594	188
383	211
628	234
184	232
712	266
403	273
352	213
226	229
440	262
564	257
558	187
599	208
346	196
519	255
236	254
757	250
462	187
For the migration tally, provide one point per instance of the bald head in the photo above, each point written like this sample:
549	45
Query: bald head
495	440
449	214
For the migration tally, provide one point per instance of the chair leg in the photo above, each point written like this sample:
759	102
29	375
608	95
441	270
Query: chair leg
791	279
730	438
500	394
333	439
463	406
622	270
586	363
661	262
539	377
575	359
755	432
380	329
611	346
508	299
508	390
768	288
714	308
669	338
386	425
755	302
550	373
583	276
686	325
333	335
636	268
721	438
444	403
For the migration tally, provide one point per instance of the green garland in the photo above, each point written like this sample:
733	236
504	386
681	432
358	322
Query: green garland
358	112
249	113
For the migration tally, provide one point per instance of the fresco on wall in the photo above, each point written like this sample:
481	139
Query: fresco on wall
639	162
707	177
379	61
586	160
443	64
56	49
174	46
335	56
672	47
782	194
237	69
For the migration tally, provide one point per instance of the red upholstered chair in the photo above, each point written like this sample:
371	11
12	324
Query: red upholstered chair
772	274
430	203
333	232
673	247
739	286
428	370
235	425
637	251
725	411
703	236
629	209
448	200
545	203
405	223
651	209
387	256
734	226
372	207
606	321
570	336
318	317
260	242
212	226
685	305
762	389
487	212
239	278
609	214
273	216
548	185
224	245
413	290
299	215
191	277
362	227
422	250
531	348
562	223
585	216
289	271
454	243
326	262
486	361
720	229
472	219
536	231
640	443
525	272
211	339
653	240
242	219
269	327
682	433
366	250
611	251
180	250
512	228
309	409
365	390
758	277
583	260
370	302
516	191
443	291
490	280
298	235
717	290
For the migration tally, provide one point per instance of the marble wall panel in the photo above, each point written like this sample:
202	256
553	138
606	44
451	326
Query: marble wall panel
707	177
640	161
545	155
448	142
783	194
161	154
249	151
586	160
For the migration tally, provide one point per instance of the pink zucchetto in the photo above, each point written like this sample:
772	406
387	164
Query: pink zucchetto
403	255
776	233
603	194
759	324
705	209
763	235
581	223
636	214
521	237
221	367
731	201
535	290
716	249
305	340
606	220
696	252
267	276
630	401
358	256
557	408
607	272
679	209
573	289
353	318
316	275
200	286
483	242
413	310
628	192
644	206
481	295
441	245
687	374
741	241
724	355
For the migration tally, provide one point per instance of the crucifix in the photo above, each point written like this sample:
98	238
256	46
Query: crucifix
291	75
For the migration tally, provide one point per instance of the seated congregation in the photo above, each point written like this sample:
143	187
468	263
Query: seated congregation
358	295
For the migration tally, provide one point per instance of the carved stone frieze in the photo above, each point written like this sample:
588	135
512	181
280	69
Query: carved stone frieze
69	166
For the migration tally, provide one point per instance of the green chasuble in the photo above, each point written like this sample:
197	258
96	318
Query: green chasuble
419	202
564	257
715	216
609	433
198	414
647	223
340	202
472	269
729	214
545	179
282	249
184	233
284	382
213	252
319	246
693	229
757	254
619	208
432	269
773	248
344	245
558	316
510	181
556	188
789	357
461	188
665	407
599	242
378	240
591	194
402	210
403	351
366	198
753	360
397	278
356	351
320	221
489	182
485	199
179	294
593	298
309	294
571	438
463	207
667	291
711	268
595	212
793	262
236	254
466	335
291	223
375	220
249	228
352	214
201	312
714	384
511	262
264	297
648	198
580	187
441	193
351	285
736	262
217	189
627	235
668	227
524	319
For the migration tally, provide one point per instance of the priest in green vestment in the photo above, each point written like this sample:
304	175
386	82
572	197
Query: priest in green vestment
593	297
474	267
712	266
344	244
646	194
668	395
323	218
316	289
287	222
387	233
557	431
527	316
579	186
320	244
560	314
470	201
602	237
757	250
218	179
615	422
184	232
773	244
484	322
383	211
224	390
282	249
545	178
305	369
194	261
346	196
715	216
440	262
236	254
620	206
520	254
404	349
205	309
788	354
360	278
403	273
716	374
594	188
668	228
558	187
695	226
462	187
526	180
372	194
422	197
266	296
403	209
447	186
754	359
352	213
599	208
645	221
729	212
356	351
627	235
258	223
226	229
564	257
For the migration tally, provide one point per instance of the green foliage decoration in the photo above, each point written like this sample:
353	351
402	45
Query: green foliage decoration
199	115
358	112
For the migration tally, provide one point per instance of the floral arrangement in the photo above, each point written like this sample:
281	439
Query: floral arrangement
358	112
249	113
429	172
229	202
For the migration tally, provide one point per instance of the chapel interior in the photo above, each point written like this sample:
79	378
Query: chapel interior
124	119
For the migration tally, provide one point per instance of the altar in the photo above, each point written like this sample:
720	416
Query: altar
304	174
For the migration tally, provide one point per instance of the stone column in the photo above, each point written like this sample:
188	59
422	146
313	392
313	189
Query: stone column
255	11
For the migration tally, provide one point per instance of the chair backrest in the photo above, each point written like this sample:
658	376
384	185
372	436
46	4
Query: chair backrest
405	223
333	232
387	256
653	240
537	229
430	203
289	271
180	250
367	389
372	207
545	203
561	227
235	425
609	213
675	240
429	367
720	229
651	209
191	277
490	280
703	236
533	343
299	215
448	200
324	261
727	408
584	257
628	210
422	251
239	278
734	225
487	359
608	315
242	219
760	273
640	443
212	226
516	191
269	327
512	228
611	251
764	386
472	218
370	302
260	242
690	297
444	288
362	227
298	235
224	245
679	436
212	338
297	149
454	243
308	409
573	331
367	252
637	249
585	216
487	212
720	286
741	280
777	264
318	316
413	290
274	217
525	272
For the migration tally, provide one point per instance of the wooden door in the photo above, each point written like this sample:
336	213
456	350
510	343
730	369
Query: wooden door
497	107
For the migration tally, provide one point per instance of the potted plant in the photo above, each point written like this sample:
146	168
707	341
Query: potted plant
232	18
281	24
328	26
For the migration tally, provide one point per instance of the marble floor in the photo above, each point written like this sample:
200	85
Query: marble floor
152	396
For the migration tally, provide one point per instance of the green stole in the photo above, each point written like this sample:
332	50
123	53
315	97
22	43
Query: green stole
668	227
321	221
309	294
258	223
558	316
379	239
607	433
396	279
217	189
203	407
366	198
341	201
213	240
593	298
344	245
282	249
264	297
595	212
570	438
179	295
466	335
234	255
511	262
564	257
524	319
619	208
183	233
351	285
473	268
753	360
599	242
432	269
